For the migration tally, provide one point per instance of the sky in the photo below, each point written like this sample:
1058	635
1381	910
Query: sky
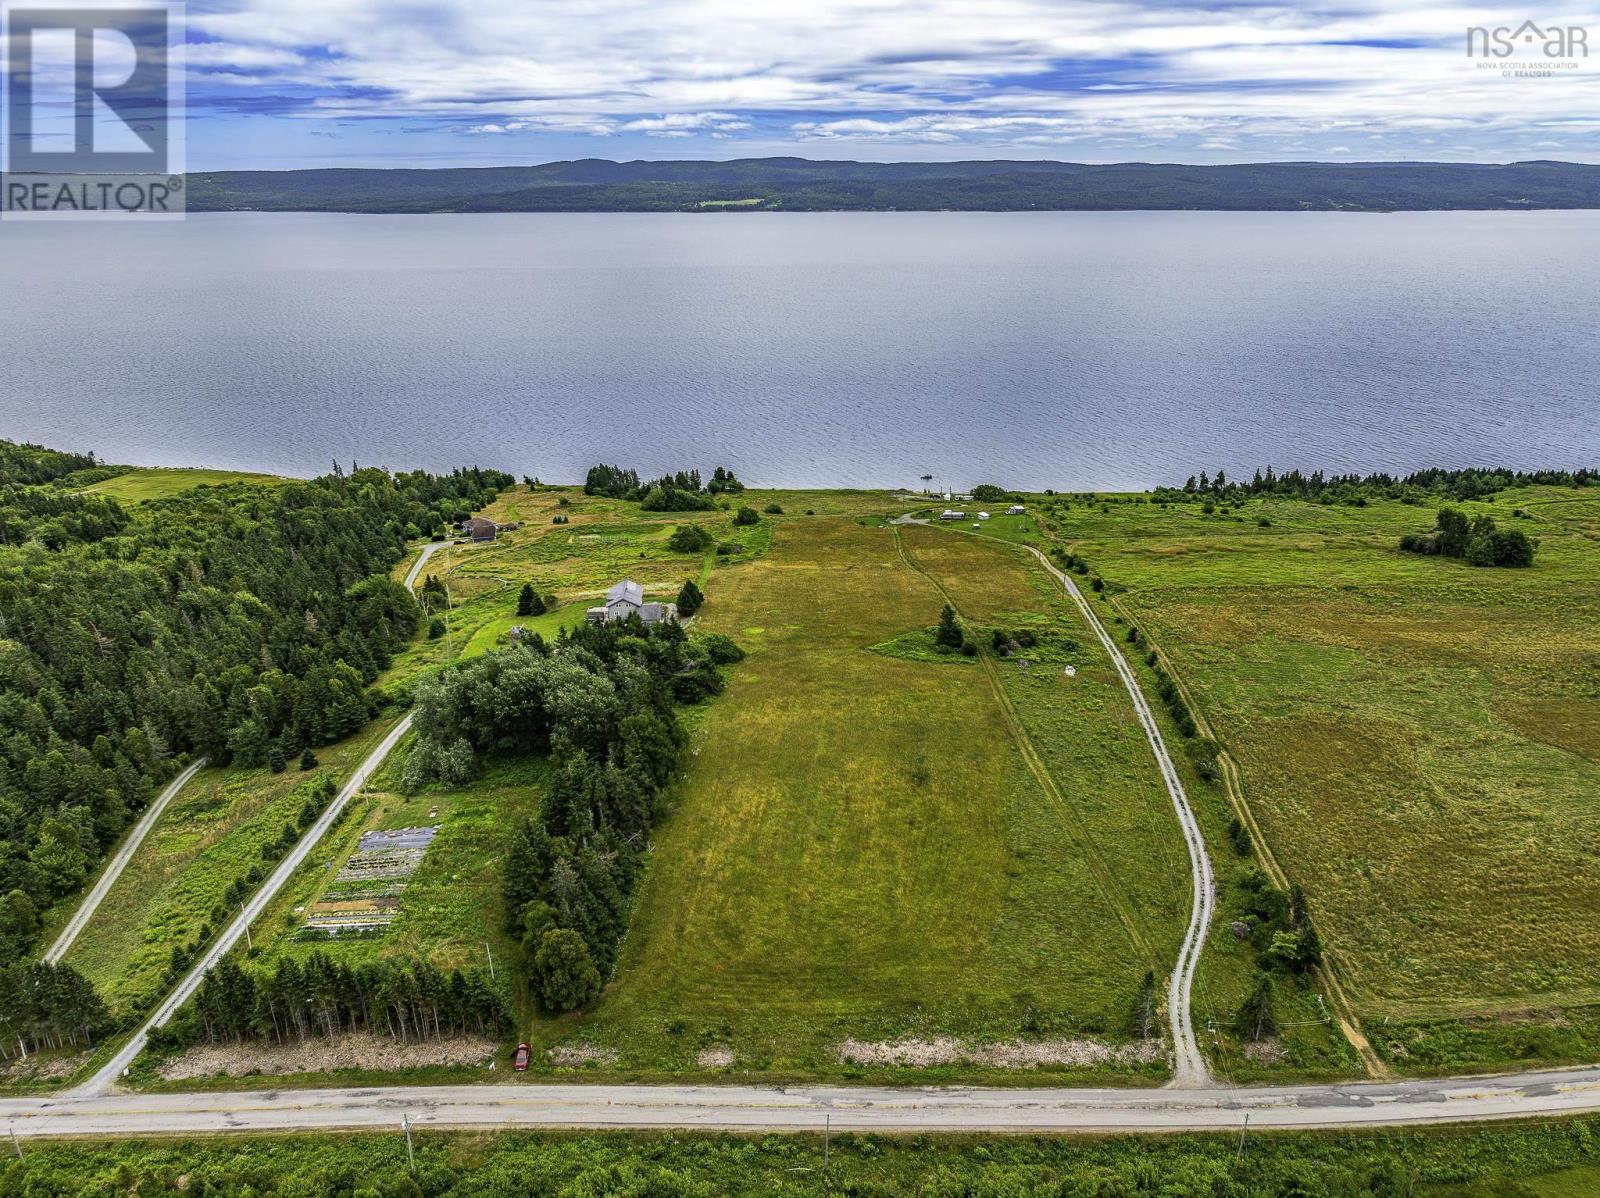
276	84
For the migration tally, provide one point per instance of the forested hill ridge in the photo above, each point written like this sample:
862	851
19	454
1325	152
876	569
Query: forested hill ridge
803	185
242	622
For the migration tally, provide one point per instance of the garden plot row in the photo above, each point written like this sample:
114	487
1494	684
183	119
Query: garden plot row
364	897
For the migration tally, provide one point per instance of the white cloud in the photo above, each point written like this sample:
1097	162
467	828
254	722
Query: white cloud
907	72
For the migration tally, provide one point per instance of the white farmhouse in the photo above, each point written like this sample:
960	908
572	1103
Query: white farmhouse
627	599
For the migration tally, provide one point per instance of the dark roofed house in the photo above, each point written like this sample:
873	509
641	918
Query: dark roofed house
627	599
480	529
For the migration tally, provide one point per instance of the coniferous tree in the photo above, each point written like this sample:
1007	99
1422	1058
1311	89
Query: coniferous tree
689	599
1255	1019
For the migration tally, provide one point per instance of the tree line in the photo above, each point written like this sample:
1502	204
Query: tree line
682	491
242	622
47	1006
1461	485
601	702
405	1000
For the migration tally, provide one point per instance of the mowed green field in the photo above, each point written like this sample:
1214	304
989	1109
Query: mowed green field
1420	741
860	849
144	483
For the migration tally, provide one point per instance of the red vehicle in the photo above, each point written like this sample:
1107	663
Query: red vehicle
519	1059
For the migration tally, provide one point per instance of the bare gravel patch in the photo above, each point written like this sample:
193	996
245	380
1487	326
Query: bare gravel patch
357	1050
717	1056
572	1055
1020	1054
1268	1051
46	1069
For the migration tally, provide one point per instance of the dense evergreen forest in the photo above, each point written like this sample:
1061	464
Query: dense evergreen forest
229	621
799	184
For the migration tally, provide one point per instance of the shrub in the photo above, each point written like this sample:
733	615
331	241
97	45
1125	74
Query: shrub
721	649
435	628
1478	541
746	516
689	538
275	759
773	509
308	760
1239	836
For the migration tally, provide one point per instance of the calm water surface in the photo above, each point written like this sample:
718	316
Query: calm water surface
1036	349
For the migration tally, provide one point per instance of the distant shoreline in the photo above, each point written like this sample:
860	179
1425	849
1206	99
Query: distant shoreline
801	185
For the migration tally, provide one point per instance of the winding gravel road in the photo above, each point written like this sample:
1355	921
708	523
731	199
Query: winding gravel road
102	887
1189	1063
428	550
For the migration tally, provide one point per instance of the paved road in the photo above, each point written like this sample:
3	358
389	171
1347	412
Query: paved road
1189	1065
252	910
746	1108
91	903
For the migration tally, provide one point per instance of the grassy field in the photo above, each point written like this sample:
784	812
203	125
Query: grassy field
861	849
1135	819
1419	741
451	906
144	483
210	835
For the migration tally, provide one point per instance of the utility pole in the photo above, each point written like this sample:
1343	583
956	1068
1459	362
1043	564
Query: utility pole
15	1143
827	1134
249	943
1243	1131
411	1157
490	951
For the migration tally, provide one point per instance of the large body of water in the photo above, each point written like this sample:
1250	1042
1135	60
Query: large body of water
1072	350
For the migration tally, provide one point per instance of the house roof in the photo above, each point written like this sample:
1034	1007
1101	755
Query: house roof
626	591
